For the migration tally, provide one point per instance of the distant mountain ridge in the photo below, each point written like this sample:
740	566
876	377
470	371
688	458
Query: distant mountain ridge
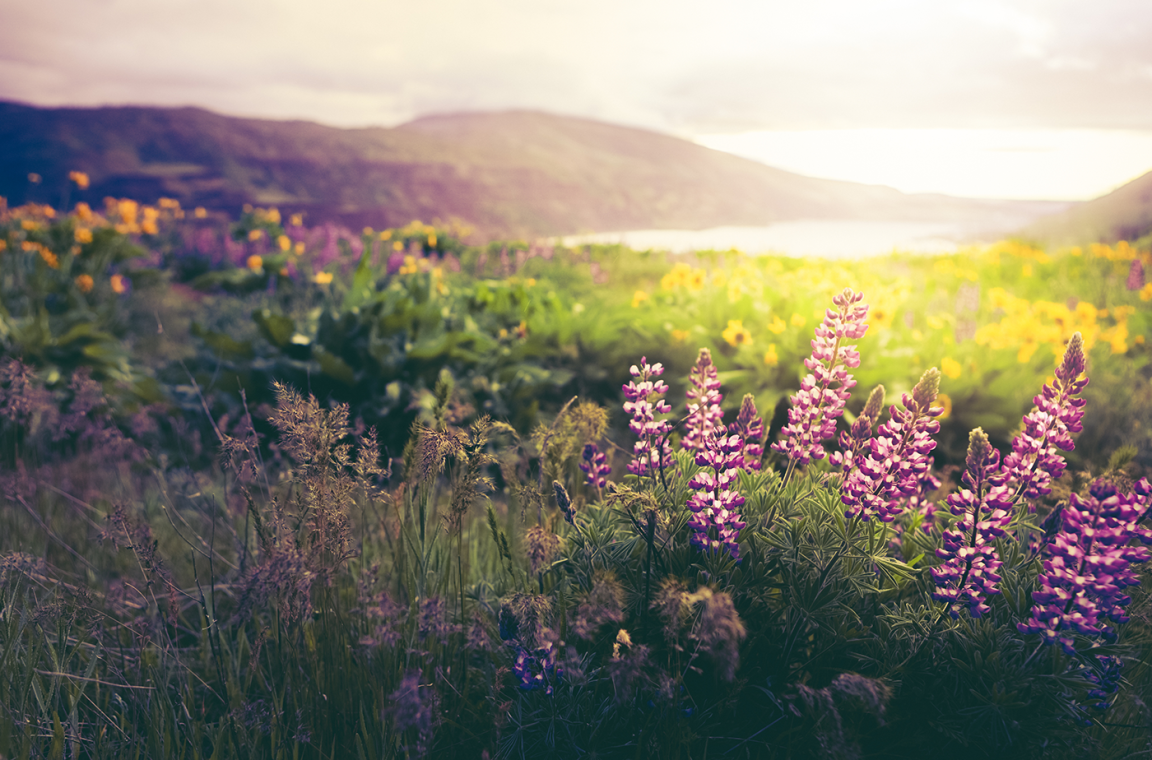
1123	214
515	173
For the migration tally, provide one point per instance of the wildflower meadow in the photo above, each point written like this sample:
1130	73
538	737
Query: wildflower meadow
273	490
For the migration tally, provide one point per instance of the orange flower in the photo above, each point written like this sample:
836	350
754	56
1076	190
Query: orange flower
118	283
81	180
296	220
284	242
83	235
322	278
200	212
84	211
85	283
255	262
255	234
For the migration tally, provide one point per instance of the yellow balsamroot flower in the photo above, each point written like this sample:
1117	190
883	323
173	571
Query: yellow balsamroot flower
736	334
169	203
85	283
81	180
322	278
296	220
398	245
386	235
680	336
950	367
255	262
29	225
797	320
409	266
200	212
299	248
273	215
255	234
127	209
777	325
432	241
284	242
84	211
696	280
771	358
1146	292
638	298
83	235
49	257
119	285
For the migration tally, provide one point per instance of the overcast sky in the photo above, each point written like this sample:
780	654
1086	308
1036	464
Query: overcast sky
834	71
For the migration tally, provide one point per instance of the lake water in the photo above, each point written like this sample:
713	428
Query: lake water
826	238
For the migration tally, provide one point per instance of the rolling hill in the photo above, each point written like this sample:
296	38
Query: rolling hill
1123	214
516	173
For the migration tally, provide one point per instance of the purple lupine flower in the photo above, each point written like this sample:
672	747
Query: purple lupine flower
715	522
1034	463
704	413
1089	564
1105	675
967	577
537	668
1135	276
646	400
594	463
897	456
750	428
855	440
823	393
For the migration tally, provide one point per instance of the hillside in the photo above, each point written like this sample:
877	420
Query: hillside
1123	214
511	173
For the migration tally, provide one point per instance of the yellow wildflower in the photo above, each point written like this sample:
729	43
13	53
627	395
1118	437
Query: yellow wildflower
3	245
127	209
169	203
85	283
736	334
397	245
81	180
118	284
283	271
771	358
950	367
84	211
367	232
83	235
273	215
200	212
777	325
255	262
1146	292
299	248
322	278
409	266
797	320
296	220
1026	270
255	234
432	240
386	235
680	336
638	298
49	257
29	225
284	242
696	280
943	401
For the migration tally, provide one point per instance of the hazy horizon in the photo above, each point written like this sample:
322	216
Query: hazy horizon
991	98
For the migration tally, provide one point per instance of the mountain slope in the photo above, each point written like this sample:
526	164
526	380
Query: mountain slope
1123	214
511	173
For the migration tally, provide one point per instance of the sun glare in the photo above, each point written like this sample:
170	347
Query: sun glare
1021	164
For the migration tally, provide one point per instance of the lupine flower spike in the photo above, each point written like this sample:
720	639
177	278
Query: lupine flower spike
715	521
967	577
750	428
595	465
704	413
855	440
1089	564
823	393
1034	462
897	458
646	400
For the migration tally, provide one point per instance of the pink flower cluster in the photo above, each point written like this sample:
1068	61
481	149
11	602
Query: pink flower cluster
750	428
823	393
705	416
715	521
645	396
897	459
968	576
1034	462
1090	564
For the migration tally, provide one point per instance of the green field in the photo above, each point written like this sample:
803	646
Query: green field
274	491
